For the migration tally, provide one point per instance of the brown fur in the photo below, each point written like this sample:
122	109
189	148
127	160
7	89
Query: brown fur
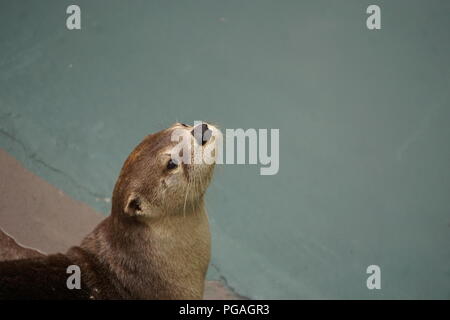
154	245
11	250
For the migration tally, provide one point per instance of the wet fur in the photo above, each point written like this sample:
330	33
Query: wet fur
161	253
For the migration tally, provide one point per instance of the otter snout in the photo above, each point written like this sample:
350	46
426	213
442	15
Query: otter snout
202	133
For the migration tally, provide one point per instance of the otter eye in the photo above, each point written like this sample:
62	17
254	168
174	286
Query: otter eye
172	164
184	125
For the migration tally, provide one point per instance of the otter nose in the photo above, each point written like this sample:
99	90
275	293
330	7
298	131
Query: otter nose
201	133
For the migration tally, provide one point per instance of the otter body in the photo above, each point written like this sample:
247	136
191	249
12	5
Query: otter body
154	245
115	265
45	278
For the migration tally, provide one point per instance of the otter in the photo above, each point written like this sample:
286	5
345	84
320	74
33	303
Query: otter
155	244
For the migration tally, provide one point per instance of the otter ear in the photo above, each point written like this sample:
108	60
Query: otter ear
134	205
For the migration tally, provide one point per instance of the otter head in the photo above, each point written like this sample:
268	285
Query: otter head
167	173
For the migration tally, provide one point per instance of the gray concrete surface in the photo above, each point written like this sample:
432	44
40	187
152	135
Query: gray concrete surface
363	117
37	214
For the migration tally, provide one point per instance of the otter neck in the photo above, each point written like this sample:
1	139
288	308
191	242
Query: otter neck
164	258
